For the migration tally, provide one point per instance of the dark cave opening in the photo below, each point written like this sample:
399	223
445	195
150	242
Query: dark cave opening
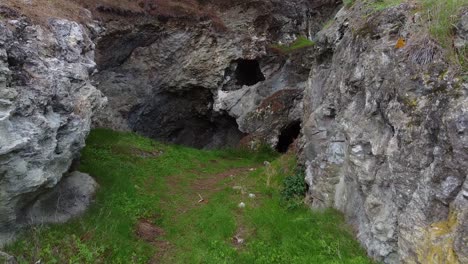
287	136
248	72
185	118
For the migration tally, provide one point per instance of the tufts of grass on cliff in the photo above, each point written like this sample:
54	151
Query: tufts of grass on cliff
170	204
439	19
300	43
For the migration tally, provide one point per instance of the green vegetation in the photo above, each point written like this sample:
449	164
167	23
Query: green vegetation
300	43
294	189
328	23
442	17
439	18
384	4
348	3
171	204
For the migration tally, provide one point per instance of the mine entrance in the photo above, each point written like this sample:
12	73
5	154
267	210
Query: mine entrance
248	72
288	134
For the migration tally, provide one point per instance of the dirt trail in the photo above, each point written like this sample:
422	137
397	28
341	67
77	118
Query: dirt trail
199	191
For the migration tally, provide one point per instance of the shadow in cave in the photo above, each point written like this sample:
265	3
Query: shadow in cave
287	136
248	72
185	118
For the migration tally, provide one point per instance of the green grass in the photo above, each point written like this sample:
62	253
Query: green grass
348	3
384	4
164	189
300	43
439	20
443	16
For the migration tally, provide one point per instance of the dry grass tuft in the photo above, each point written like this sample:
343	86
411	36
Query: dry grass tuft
422	50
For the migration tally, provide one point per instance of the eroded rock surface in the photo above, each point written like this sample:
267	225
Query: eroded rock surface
383	127
386	137
46	103
197	84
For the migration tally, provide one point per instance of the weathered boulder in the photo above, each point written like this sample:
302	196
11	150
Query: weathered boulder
46	103
386	137
70	198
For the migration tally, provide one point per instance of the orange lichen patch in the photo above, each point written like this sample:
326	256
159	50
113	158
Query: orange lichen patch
438	244
401	42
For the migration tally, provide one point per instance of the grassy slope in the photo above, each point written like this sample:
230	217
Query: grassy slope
142	179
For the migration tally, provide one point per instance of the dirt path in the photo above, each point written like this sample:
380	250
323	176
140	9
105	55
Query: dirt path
197	193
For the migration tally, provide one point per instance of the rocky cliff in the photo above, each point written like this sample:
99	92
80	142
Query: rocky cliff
376	107
46	103
200	83
385	136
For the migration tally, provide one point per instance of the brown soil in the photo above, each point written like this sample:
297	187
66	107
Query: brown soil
148	231
153	234
204	186
40	11
146	154
210	184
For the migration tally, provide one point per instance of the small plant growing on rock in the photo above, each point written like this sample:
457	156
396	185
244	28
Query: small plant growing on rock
300	43
348	3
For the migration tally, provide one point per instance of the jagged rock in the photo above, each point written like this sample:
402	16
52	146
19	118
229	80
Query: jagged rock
46	103
194	85
384	125
385	139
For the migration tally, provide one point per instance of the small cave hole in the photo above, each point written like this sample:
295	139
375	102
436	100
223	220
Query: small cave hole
287	136
248	72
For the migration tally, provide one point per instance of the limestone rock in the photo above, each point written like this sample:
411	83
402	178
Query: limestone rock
46	103
385	139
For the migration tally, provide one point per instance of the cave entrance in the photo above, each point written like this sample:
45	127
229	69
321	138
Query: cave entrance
248	72
185	118
287	136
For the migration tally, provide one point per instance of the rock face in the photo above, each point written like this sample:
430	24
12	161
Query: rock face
46	103
385	132
198	85
382	118
383	125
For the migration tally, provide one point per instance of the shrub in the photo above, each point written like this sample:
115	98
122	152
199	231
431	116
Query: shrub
294	189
